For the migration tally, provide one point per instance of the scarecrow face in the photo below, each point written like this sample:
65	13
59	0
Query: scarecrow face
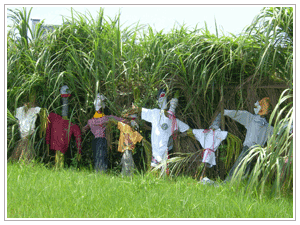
162	100
133	123
257	107
64	90
99	102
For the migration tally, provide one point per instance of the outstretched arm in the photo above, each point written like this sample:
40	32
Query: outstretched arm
85	128
241	116
216	123
134	110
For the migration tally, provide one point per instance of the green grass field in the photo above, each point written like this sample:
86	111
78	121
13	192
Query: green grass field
35	191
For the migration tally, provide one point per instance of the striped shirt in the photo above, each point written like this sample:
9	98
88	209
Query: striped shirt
97	125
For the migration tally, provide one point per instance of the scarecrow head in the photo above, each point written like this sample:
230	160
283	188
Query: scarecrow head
64	91
133	122
99	102
162	99
262	107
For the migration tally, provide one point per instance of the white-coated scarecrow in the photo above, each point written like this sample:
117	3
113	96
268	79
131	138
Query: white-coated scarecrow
258	129
98	126
210	139
164	124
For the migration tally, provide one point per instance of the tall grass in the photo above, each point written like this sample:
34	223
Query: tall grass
90	55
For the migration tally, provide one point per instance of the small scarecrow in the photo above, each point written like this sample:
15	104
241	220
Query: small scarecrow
210	139
27	116
258	129
60	130
98	125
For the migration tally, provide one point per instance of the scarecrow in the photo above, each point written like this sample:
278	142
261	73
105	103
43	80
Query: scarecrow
98	125
164	124
26	116
60	130
129	136
258	130
210	139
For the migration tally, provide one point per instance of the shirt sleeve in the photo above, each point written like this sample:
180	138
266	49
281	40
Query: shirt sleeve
241	116
87	126
222	134
77	134
216	123
182	127
138	137
18	113
198	133
37	110
117	118
120	127
147	115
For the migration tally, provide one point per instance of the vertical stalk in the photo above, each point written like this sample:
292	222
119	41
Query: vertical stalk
222	109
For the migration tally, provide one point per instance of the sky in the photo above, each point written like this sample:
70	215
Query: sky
229	18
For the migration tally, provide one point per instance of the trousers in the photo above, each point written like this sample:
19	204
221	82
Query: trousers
99	147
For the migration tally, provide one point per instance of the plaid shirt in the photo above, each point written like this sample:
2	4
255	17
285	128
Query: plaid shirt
97	125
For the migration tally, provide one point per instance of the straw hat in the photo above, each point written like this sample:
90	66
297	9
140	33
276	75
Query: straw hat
265	105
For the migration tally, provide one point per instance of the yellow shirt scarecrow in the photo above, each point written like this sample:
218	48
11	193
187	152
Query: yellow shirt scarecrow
127	141
128	138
